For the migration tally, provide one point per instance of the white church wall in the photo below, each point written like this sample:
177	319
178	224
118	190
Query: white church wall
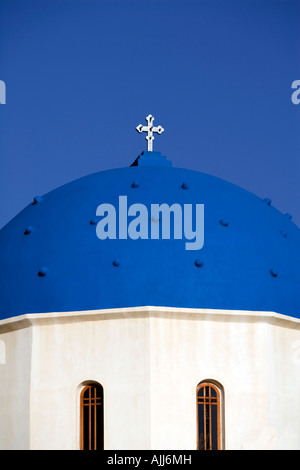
15	370
252	359
111	351
149	362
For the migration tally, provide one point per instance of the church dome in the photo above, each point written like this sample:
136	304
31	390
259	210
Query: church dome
52	260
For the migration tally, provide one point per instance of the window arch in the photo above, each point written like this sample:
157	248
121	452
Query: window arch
209	432
91	417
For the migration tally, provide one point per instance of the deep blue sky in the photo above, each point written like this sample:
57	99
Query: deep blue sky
82	74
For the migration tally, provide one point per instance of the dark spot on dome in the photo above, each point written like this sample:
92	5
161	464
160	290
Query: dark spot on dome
135	184
116	262
268	201
185	186
289	216
199	263
93	221
28	230
37	199
273	272
224	223
284	234
43	271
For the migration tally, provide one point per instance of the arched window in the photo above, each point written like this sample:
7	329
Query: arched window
208	416
91	417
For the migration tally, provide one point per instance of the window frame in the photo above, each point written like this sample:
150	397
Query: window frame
92	404
219	411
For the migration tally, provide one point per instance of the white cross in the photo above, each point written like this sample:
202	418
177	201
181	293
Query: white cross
150	129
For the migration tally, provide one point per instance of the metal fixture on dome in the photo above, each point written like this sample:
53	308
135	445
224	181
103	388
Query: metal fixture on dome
28	230
37	199
43	271
150	129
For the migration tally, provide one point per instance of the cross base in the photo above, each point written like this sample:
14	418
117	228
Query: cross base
150	158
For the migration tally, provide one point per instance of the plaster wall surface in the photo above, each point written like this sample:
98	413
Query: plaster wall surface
15	382
149	361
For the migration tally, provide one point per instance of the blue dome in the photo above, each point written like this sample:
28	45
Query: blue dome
51	259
